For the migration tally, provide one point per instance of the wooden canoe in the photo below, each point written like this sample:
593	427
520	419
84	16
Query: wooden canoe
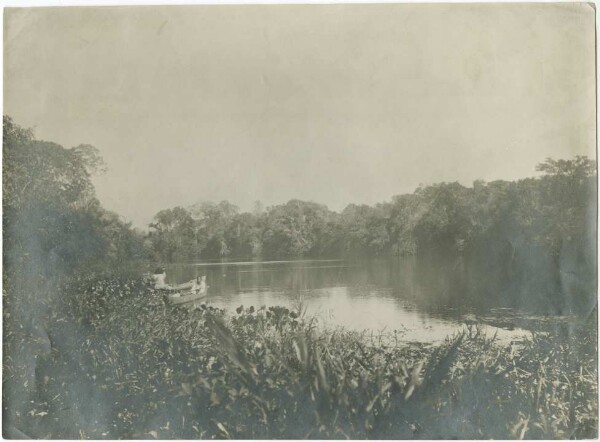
184	297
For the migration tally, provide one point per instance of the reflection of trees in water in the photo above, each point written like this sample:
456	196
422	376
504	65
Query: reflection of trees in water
523	278
438	285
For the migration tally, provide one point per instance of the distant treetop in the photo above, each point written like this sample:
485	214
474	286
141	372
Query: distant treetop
580	166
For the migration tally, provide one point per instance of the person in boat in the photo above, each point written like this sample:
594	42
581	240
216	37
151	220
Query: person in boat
203	286
199	285
160	276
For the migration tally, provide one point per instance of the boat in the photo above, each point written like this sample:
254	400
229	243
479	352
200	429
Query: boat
185	297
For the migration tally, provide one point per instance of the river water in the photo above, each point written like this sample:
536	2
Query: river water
422	302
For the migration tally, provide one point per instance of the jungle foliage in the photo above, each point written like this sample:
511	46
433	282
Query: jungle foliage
555	211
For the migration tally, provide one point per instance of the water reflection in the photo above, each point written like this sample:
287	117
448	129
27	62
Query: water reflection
424	302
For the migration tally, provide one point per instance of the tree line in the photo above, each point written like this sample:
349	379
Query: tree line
554	211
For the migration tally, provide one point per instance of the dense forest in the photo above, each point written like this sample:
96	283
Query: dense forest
555	211
91	350
53	222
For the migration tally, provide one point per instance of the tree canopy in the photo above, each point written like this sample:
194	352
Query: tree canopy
550	211
52	218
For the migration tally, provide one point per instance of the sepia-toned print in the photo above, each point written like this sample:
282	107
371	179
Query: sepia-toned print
326	221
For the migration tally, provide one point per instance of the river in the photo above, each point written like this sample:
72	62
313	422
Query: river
422	302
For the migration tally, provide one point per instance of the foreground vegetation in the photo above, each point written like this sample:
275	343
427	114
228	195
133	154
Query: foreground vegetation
117	362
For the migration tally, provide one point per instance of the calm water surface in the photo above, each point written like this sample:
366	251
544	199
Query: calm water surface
423	301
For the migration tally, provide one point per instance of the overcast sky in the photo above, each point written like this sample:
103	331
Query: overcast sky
332	103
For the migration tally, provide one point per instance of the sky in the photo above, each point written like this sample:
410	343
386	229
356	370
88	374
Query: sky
335	104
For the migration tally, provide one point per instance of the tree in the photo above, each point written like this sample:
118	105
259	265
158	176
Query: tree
50	209
35	171
578	168
405	213
561	203
212	222
244	235
444	224
173	236
294	228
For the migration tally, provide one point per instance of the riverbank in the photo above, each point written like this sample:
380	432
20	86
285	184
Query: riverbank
115	362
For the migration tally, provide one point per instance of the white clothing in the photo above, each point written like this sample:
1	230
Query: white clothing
198	288
159	280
